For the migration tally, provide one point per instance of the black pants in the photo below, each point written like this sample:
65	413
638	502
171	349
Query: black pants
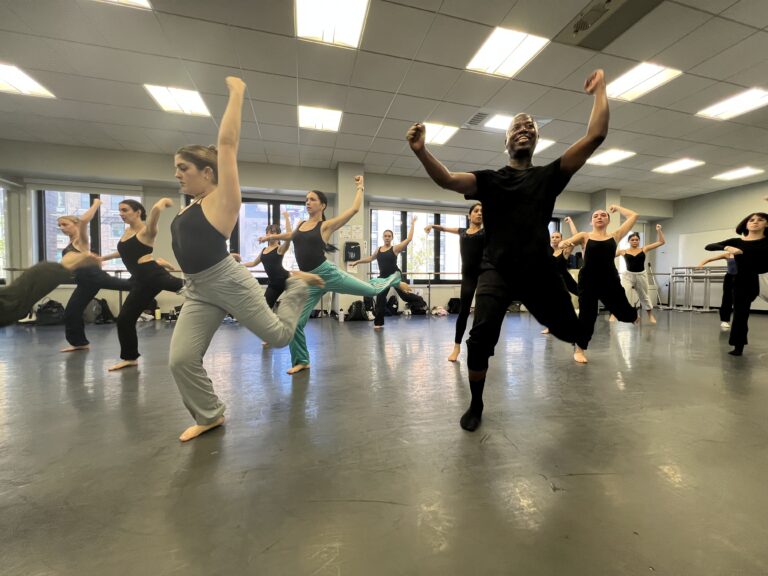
149	280
17	300
468	287
726	305
608	289
539	287
381	302
273	291
746	287
89	281
570	283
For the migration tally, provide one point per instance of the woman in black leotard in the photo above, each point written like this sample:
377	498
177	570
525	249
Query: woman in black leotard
150	276
386	258
89	279
635	275
751	255
271	258
598	278
561	257
471	246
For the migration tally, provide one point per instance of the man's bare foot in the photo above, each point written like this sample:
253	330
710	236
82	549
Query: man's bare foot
75	348
298	368
455	354
311	279
651	317
196	430
123	364
579	356
545	331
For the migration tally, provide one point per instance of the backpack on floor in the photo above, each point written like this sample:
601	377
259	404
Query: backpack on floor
454	305
417	308
92	311
356	311
368	303
49	313
106	316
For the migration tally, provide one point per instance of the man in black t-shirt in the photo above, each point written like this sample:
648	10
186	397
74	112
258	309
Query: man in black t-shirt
518	201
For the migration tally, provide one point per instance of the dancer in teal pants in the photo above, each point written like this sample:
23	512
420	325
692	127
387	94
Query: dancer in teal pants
310	243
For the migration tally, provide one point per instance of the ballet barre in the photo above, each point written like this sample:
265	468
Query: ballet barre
687	277
430	277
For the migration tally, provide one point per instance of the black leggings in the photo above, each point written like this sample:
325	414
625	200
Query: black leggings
570	284
746	287
381	302
16	300
540	289
726	306
149	280
608	289
468	287
273	291
89	281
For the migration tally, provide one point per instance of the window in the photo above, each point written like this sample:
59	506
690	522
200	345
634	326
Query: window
54	205
111	228
420	258
450	253
298	212
3	232
255	215
385	220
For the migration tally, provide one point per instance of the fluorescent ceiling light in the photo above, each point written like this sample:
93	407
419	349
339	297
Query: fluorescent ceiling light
178	100
506	52
439	133
130	3
738	173
610	157
499	122
16	81
736	105
319	118
678	166
640	80
338	22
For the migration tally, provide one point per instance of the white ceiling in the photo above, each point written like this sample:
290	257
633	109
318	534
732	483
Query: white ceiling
410	67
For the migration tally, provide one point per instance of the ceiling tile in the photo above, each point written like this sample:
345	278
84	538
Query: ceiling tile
411	108
750	12
489	12
712	6
322	94
543	17
429	80
452	42
554	64
358	124
368	102
264	52
474	89
377	72
744	55
325	63
393	29
516	97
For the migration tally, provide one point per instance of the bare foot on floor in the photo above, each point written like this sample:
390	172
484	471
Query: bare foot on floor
196	430
311	279
455	354
298	368
75	348
651	318
545	331
375	327
579	356
123	364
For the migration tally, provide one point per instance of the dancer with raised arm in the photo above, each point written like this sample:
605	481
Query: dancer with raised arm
310	243
471	245
726	302
518	201
635	275
386	258
271	258
215	283
561	256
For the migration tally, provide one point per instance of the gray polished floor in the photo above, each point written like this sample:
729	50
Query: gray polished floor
651	459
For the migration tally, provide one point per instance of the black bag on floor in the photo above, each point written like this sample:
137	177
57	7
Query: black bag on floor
106	316
50	313
368	303
418	308
392	306
92	311
356	311
454	306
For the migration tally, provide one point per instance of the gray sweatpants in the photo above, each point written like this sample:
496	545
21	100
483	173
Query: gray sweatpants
209	295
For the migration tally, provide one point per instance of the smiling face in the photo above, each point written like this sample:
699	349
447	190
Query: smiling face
522	136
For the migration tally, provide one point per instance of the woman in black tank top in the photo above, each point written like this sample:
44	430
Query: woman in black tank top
386	257
215	283
89	278
150	276
598	278
561	258
635	276
471	247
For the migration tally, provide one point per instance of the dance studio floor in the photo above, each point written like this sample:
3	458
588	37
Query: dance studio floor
652	459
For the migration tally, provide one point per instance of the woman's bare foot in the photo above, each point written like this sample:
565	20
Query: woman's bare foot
298	368
579	355
651	317
311	279
377	327
75	348
455	354
123	364
545	331
611	318
196	430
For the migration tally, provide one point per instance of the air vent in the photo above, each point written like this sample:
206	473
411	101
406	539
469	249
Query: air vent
478	119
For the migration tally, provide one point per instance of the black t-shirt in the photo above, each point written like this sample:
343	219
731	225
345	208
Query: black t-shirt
753	260
471	247
517	209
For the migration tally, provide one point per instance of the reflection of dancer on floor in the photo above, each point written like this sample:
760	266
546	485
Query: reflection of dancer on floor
561	256
386	258
518	201
598	278
726	304
636	276
471	245
89	279
751	254
215	283
150	276
310	243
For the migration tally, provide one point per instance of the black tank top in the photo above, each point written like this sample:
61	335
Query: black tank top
131	251
69	248
635	263
471	247
599	256
387	261
309	247
273	266
562	263
196	244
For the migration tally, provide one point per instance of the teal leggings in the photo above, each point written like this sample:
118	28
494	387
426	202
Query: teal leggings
335	281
